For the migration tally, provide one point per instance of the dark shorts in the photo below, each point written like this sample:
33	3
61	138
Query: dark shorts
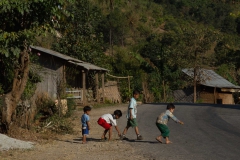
104	124
85	131
163	129
132	122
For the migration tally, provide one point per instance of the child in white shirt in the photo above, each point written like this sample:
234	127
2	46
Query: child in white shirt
109	120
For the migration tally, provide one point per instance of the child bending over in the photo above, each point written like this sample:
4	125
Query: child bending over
109	120
162	120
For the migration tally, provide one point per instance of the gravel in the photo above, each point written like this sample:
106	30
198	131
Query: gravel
7	143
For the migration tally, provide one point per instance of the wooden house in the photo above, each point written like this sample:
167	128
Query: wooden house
79	77
211	88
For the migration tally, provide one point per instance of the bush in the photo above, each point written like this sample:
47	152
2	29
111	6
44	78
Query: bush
71	106
56	124
45	107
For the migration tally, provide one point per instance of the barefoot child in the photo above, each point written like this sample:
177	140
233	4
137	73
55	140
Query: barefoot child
132	116
85	123
162	120
109	120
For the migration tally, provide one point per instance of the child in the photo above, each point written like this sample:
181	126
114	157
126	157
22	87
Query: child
85	123
109	120
162	120
131	116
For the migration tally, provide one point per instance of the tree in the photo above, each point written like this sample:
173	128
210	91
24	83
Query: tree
21	21
197	41
79	37
162	63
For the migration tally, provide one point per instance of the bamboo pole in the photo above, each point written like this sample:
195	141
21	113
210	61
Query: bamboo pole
129	84
84	87
103	88
97	86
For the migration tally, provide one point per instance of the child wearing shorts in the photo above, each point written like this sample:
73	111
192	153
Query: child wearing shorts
85	123
132	116
109	120
162	120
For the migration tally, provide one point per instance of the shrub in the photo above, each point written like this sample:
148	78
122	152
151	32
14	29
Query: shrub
71	106
45	106
56	124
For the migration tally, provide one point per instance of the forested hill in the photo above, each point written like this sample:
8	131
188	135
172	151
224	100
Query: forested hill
152	40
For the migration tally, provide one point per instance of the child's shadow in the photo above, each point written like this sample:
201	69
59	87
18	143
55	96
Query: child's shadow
78	140
89	139
140	141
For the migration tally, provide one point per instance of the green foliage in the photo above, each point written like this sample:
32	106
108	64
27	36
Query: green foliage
58	125
45	106
1	89
228	72
71	107
149	40
80	38
22	21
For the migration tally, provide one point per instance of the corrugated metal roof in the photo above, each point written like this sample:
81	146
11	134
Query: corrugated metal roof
210	78
75	61
88	66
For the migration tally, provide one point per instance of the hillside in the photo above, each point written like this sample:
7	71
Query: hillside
151	40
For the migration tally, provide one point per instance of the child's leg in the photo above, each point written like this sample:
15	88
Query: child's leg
110	133
136	130
84	140
159	139
104	133
167	140
125	130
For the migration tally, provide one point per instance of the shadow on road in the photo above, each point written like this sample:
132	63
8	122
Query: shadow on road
132	140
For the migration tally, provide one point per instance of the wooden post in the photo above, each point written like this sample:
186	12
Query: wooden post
84	87
64	74
195	86
97	87
214	95
103	88
129	84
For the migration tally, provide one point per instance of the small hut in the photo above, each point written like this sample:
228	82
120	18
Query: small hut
54	67
211	88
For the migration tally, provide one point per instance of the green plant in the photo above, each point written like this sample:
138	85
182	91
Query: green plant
45	106
199	101
1	89
57	124
71	106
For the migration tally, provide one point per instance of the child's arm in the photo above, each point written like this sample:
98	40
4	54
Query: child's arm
173	117
88	124
180	122
119	133
131	106
130	110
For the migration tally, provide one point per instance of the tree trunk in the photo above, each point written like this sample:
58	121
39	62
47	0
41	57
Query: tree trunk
195	86
19	82
164	91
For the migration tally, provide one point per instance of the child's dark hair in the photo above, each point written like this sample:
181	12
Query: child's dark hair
170	106
87	108
118	113
136	92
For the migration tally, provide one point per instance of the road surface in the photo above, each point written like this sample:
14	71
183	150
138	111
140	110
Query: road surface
209	132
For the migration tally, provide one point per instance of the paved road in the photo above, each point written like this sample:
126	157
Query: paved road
209	132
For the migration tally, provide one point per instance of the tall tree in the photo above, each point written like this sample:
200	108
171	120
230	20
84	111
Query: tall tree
79	37
21	21
197	41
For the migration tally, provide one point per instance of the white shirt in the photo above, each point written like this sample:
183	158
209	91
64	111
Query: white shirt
109	119
133	107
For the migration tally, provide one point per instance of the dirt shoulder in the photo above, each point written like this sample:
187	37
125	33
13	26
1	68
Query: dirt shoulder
69	147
